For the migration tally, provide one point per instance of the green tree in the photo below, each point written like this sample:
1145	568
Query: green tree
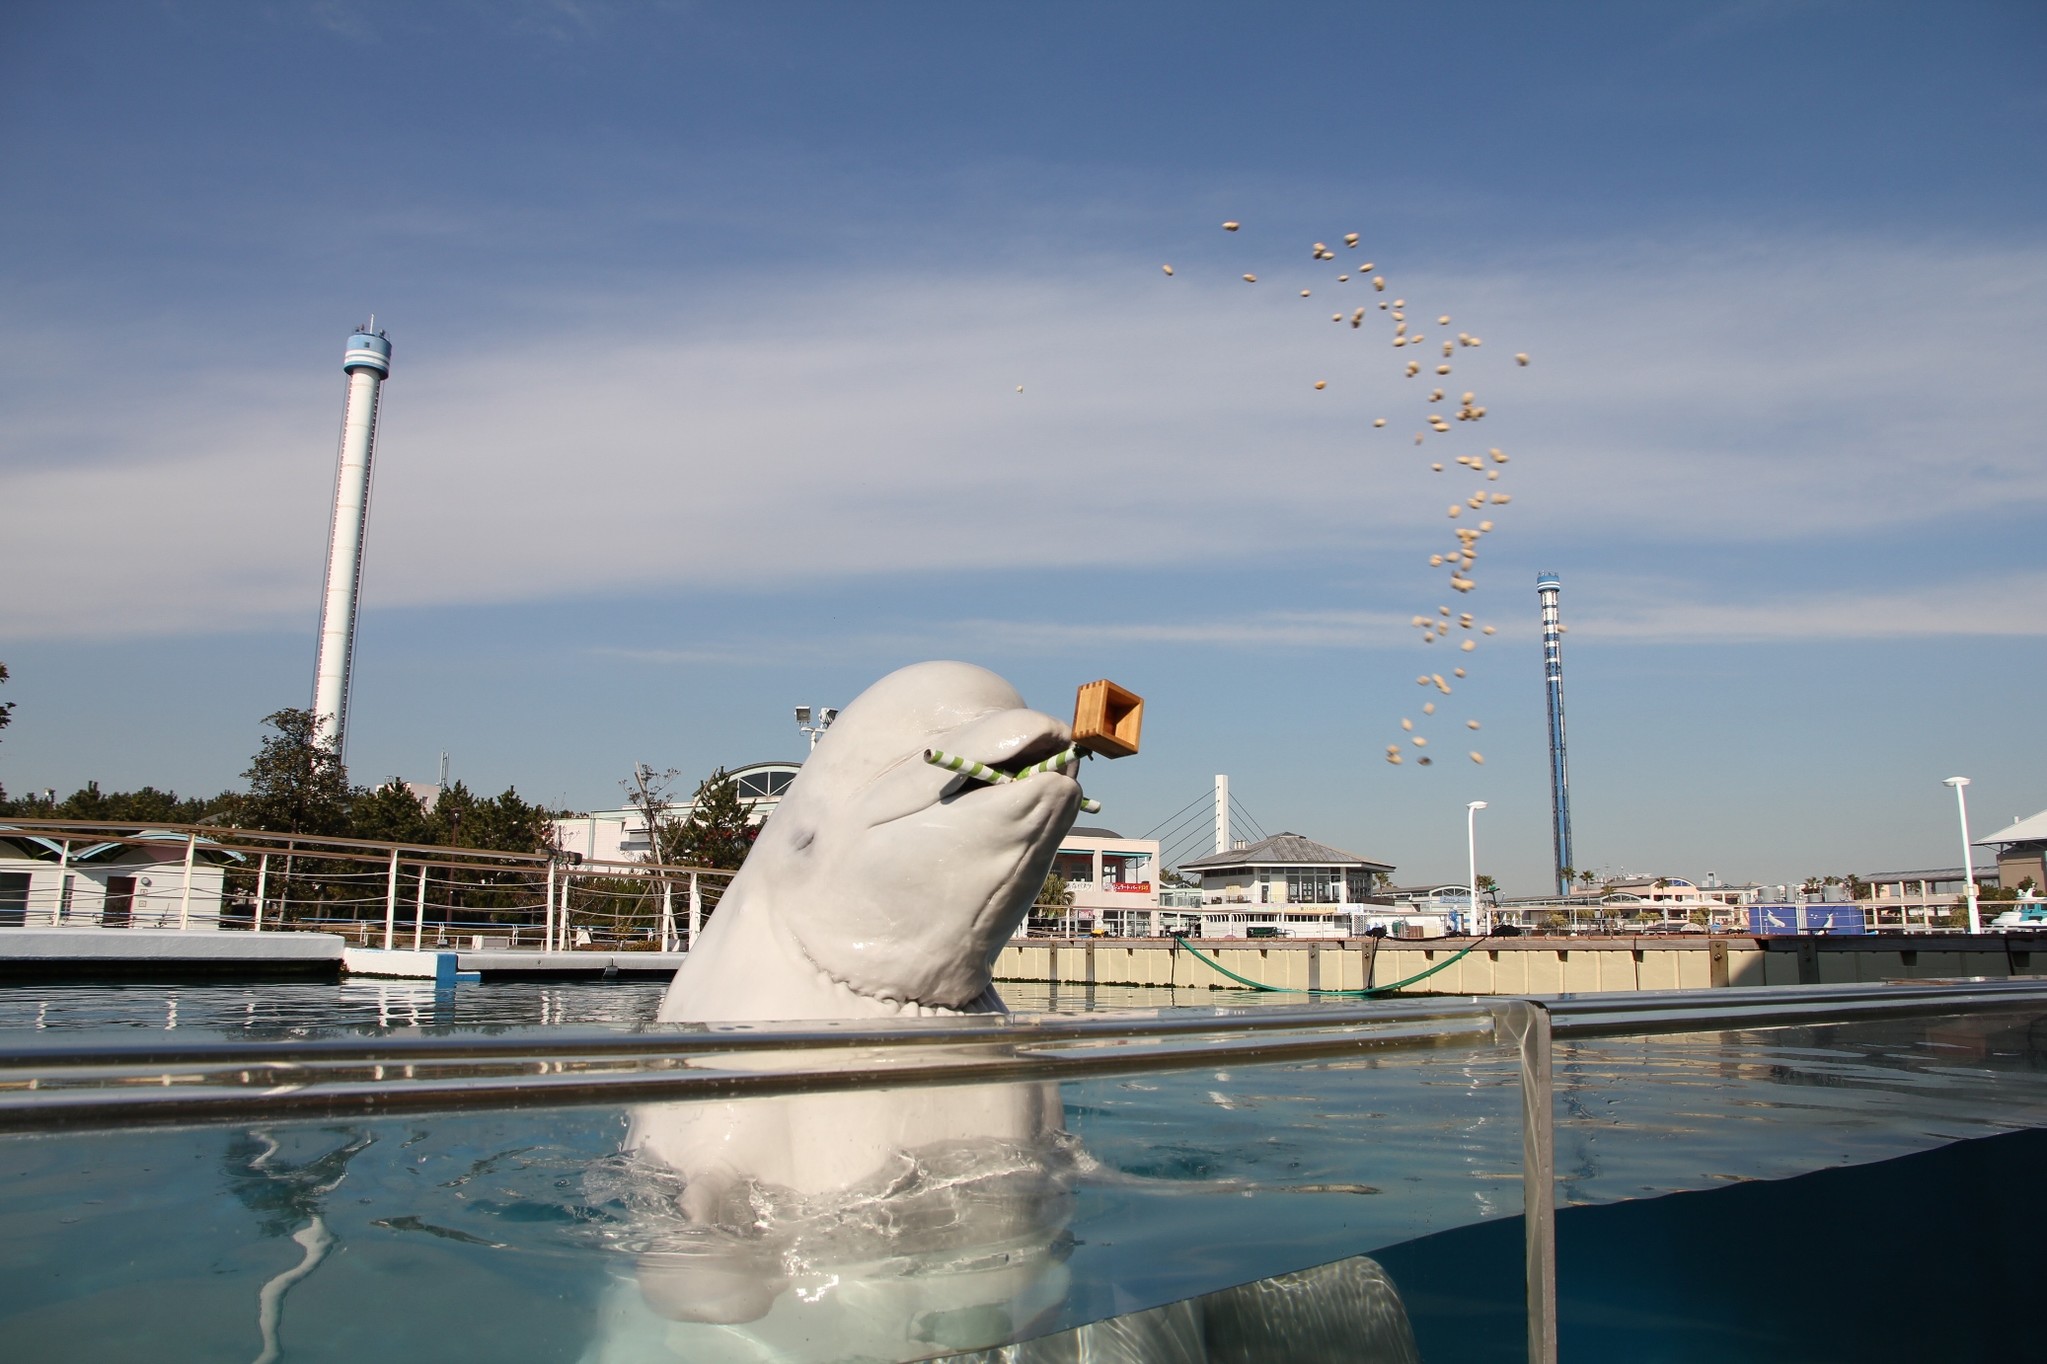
1055	897
389	813
647	792
501	823
717	833
146	805
296	781
505	822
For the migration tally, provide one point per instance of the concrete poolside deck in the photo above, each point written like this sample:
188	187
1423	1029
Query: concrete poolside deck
502	964
166	954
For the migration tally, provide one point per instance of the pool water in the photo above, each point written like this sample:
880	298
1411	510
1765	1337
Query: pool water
325	1009
1930	1256
1697	1174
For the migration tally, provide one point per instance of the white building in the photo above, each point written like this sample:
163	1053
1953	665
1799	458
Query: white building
621	835
1114	881
2021	852
144	881
1290	887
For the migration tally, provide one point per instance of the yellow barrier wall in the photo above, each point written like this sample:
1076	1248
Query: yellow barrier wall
1524	966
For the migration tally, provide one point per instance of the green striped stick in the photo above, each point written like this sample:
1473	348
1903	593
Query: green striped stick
982	772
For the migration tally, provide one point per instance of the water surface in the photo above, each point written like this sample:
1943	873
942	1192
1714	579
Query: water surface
505	1236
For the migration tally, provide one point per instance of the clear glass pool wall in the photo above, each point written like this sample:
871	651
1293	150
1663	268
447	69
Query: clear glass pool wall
1203	1182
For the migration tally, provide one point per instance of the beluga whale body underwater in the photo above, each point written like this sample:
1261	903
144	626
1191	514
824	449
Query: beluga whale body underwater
920	1223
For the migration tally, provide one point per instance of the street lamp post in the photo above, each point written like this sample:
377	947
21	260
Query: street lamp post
1968	858
1471	870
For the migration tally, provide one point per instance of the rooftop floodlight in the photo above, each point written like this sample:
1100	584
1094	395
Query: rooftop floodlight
825	715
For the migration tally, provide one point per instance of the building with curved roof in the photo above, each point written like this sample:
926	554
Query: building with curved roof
1287	869
620	835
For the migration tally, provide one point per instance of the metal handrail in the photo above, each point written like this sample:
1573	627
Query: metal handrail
60	1084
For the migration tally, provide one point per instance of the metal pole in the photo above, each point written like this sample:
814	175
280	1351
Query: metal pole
547	914
1530	1023
561	920
1471	810
667	915
391	904
185	896
419	909
63	880
262	883
696	911
1961	785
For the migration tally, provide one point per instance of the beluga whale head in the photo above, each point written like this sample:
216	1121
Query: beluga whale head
885	885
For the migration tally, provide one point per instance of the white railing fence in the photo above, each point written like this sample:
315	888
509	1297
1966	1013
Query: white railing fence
79	874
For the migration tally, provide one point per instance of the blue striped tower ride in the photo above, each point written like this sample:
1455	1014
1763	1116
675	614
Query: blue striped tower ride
1547	587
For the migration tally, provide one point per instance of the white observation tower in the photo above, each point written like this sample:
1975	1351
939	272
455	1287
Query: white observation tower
367	363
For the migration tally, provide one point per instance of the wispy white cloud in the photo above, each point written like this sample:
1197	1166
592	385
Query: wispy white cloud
985	635
2009	605
2013	605
788	429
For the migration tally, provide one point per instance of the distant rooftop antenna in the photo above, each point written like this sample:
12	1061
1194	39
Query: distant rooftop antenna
367	363
1547	588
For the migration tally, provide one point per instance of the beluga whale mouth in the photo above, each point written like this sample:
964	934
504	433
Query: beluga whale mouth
886	884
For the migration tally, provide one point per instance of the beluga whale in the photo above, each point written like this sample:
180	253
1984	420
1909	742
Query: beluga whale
862	1225
884	886
919	1223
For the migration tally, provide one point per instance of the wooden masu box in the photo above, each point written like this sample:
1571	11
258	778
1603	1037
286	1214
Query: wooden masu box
1107	719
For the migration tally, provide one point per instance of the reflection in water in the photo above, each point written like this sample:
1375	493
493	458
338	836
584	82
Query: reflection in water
915	1225
298	1009
884	1226
281	1195
1348	1311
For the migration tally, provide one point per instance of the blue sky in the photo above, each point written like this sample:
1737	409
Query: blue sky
709	322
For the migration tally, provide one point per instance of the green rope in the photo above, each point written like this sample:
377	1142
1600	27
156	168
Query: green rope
1367	993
